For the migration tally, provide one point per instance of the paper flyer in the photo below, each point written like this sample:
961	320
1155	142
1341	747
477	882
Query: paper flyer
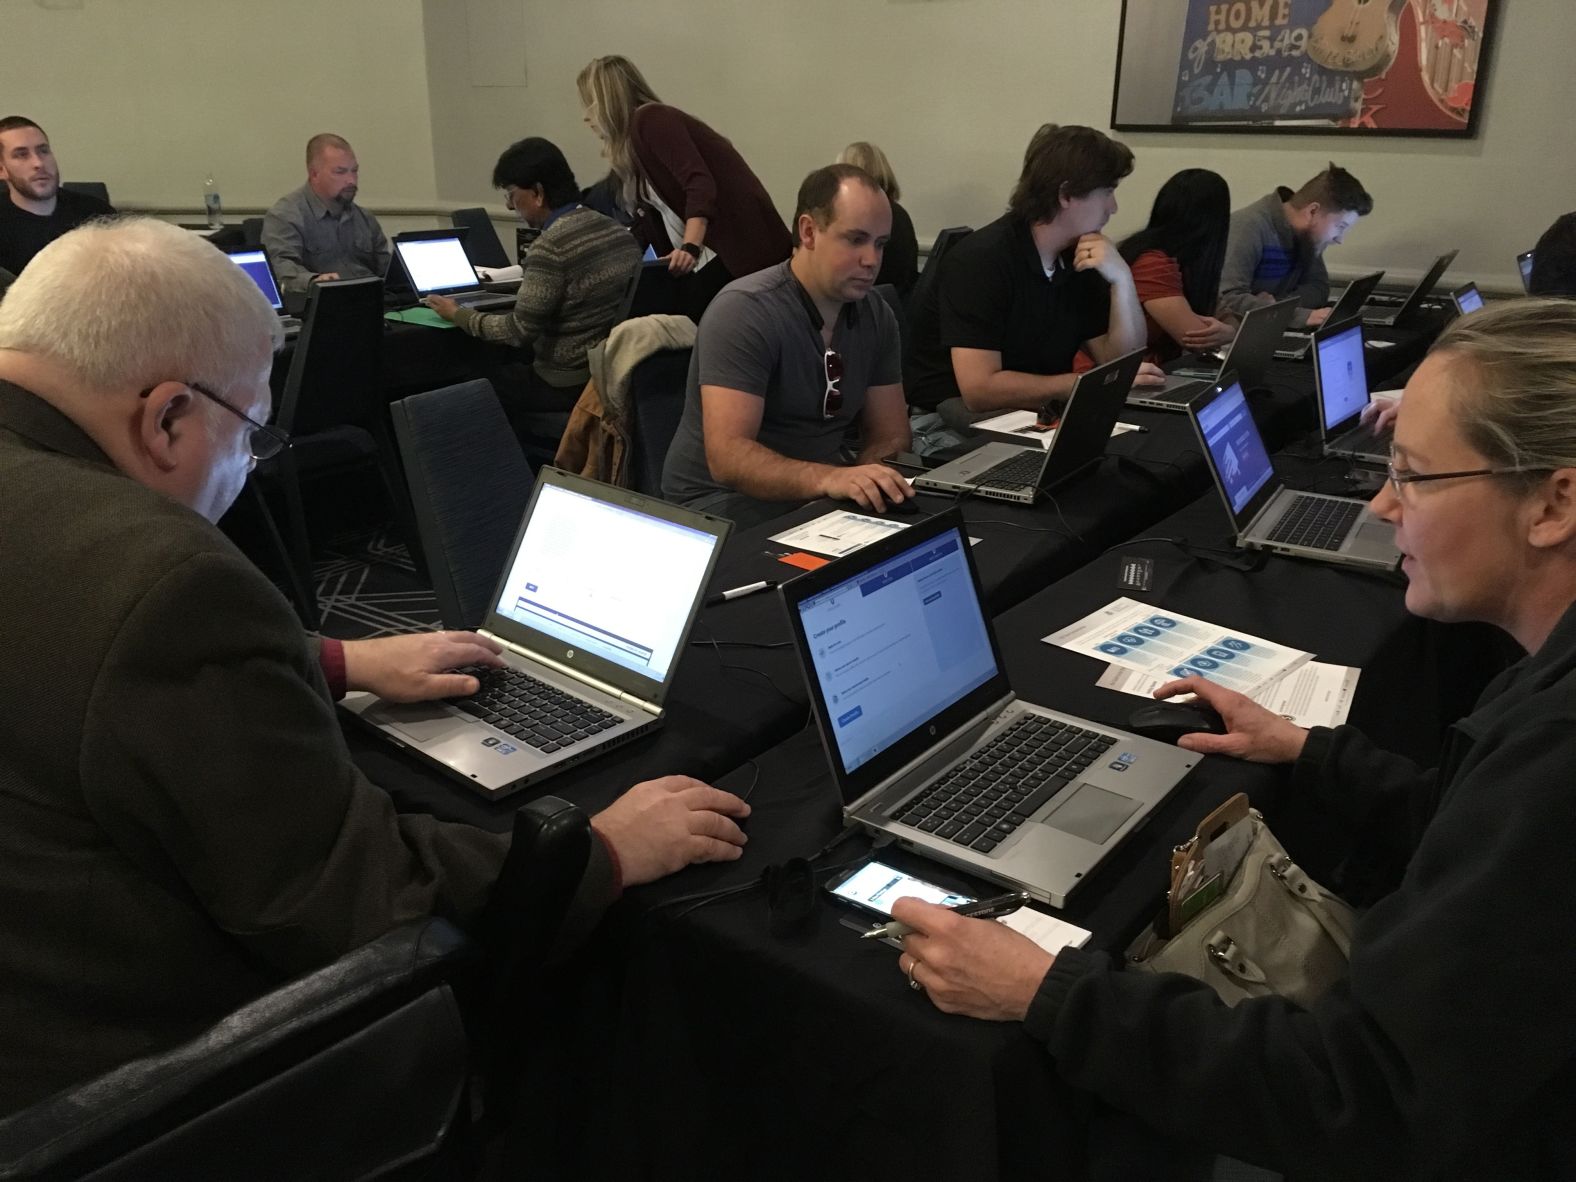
1315	694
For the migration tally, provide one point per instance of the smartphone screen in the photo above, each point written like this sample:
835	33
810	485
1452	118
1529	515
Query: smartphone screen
875	886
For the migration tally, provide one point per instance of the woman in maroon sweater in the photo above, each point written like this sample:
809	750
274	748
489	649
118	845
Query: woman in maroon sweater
694	198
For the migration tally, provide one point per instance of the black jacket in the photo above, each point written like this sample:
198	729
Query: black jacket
1449	1051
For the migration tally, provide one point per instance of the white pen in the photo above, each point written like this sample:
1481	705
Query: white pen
739	592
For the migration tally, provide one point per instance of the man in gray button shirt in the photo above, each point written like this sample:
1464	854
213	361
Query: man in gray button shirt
319	232
787	360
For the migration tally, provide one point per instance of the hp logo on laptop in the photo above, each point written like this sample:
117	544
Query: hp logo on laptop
570	654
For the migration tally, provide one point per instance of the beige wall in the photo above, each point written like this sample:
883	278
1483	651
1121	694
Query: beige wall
953	88
150	95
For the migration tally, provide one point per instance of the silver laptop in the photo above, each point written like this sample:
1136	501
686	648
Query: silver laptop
1268	515
1524	266
255	263
594	610
1296	343
1387	316
1019	473
1340	385
436	264
927	741
1249	355
1467	298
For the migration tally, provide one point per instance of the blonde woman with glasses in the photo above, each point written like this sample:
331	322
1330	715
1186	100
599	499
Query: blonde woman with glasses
1449	1048
900	263
694	199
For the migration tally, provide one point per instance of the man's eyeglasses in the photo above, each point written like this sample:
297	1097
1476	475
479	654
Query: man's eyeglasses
263	441
1401	477
832	401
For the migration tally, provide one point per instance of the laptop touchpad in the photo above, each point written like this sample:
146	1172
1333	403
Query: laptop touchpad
421	723
1091	813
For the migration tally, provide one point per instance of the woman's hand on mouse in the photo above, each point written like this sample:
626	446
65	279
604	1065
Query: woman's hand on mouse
1252	732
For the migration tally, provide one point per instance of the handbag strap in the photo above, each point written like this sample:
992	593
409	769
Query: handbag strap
1333	915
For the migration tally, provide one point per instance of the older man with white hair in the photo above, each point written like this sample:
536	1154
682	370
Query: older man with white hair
181	826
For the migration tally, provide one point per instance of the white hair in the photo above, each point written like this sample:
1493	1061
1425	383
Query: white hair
132	302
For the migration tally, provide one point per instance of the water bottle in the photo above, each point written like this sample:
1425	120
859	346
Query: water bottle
211	203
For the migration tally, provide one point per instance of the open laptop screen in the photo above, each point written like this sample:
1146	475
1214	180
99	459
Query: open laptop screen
436	264
1342	376
255	264
1468	299
895	644
1235	446
1524	265
573	578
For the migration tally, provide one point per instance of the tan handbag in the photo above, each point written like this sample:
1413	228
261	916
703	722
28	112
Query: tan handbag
1272	931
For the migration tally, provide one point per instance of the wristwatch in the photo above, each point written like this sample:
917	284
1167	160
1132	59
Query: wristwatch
690	248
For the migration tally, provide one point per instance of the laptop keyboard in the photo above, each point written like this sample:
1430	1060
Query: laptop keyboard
540	715
1316	522
1019	472
983	800
1365	442
471	299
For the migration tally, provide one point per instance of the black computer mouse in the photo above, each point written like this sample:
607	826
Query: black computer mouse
1166	722
906	508
1051	411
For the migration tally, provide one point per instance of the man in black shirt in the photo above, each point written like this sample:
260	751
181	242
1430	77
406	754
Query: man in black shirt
1016	299
39	210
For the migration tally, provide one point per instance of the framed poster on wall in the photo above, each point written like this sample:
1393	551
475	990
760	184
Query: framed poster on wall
1353	67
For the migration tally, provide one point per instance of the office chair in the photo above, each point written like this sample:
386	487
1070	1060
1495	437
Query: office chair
329	402
481	242
347	1072
656	404
469	483
889	293
628	300
6	280
252	233
945	241
92	188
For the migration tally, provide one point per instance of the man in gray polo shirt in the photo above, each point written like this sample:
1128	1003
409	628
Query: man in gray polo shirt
787	360
319	232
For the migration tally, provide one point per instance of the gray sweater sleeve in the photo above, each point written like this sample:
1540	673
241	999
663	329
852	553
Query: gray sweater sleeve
1244	248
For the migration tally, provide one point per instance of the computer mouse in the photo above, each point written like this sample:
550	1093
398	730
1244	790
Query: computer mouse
1166	722
906	508
1051	411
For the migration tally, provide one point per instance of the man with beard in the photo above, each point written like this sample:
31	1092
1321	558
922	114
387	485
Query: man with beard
38	210
319	232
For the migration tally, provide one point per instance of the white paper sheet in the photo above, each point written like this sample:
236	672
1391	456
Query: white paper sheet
838	533
500	274
1164	644
1047	931
1315	694
1020	427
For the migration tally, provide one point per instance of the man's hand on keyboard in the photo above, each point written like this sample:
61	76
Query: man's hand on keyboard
419	667
442	305
661	826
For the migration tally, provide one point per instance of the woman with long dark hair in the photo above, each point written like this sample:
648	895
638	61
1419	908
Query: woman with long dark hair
1176	261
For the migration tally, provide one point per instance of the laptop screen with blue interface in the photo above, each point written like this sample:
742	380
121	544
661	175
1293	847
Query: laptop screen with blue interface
895	645
255	264
572	579
436	264
1343	379
1469	300
1235	446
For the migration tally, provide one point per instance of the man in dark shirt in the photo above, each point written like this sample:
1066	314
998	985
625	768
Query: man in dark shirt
1016	299
39	210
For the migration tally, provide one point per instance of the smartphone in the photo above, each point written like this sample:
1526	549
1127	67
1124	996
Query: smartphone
875	886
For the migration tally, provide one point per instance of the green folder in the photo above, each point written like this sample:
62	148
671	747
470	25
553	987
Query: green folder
418	316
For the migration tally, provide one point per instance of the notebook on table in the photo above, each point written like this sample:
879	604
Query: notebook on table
1013	472
1524	268
1249	356
436	264
927	741
255	263
593	610
1297	343
1385	315
1467	298
1268	515
1340	387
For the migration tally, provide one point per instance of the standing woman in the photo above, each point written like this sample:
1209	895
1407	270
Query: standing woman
900	262
1176	261
694	198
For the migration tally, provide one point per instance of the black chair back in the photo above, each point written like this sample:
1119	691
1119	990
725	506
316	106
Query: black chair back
944	242
469	483
92	188
656	403
889	293
628	301
252	233
335	373
283	1088
481	243
6	280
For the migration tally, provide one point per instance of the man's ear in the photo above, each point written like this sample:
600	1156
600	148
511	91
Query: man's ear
170	415
804	232
1552	517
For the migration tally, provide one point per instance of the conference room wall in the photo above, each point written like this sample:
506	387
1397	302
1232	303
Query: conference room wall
952	90
149	96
